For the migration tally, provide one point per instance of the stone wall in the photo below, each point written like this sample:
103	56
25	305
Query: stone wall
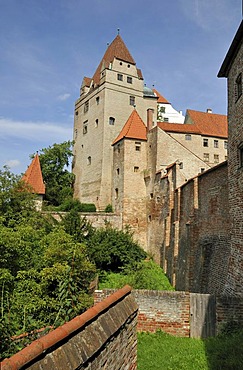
102	337
97	219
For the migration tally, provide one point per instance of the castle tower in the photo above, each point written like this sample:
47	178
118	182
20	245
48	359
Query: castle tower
129	165
232	69
105	103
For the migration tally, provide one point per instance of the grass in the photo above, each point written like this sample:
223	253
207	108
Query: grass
164	352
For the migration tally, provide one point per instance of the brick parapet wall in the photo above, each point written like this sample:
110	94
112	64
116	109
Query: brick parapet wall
102	337
165	310
170	311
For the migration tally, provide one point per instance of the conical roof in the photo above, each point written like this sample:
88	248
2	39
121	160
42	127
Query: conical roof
117	49
134	128
33	176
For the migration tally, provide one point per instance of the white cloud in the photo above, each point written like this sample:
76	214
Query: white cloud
63	96
37	131
12	163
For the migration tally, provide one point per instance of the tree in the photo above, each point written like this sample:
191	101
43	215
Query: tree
16	201
54	162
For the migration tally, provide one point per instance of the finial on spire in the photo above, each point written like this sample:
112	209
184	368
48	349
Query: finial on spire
107	43
118	31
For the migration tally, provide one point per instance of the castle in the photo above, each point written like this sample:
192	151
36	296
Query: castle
127	135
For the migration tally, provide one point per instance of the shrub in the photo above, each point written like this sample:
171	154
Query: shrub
112	249
108	208
143	275
74	204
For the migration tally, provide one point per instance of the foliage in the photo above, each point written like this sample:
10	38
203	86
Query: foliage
112	249
16	201
108	208
54	162
77	226
143	275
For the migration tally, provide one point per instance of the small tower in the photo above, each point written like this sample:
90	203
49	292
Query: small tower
33	178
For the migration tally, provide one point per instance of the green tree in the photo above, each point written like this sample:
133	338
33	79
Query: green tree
112	249
16	199
54	162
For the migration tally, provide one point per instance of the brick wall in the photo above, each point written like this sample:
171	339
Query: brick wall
165	310
102	337
170	311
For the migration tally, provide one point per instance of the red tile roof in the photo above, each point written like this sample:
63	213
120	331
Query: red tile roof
87	81
209	124
33	176
161	98
117	49
178	127
134	128
201	123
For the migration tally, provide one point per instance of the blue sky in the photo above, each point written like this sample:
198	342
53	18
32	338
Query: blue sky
48	46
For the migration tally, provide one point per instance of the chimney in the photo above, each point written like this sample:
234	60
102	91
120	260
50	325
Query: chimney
209	110
150	116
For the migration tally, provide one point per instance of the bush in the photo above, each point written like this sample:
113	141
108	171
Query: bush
108	208
143	275
74	204
112	249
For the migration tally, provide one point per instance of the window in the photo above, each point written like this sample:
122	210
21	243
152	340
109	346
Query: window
206	157
137	146
89	160
238	87
241	154
116	193
202	170
96	122
76	113
128	66
151	195
85	127
119	77
216	158
216	143
205	142
132	100
118	171
86	106
111	121
166	119
97	100
136	169
129	80
225	144
188	137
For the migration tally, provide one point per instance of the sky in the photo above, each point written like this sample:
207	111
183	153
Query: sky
48	46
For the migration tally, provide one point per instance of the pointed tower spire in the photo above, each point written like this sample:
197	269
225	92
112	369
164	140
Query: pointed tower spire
134	128
117	49
33	176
